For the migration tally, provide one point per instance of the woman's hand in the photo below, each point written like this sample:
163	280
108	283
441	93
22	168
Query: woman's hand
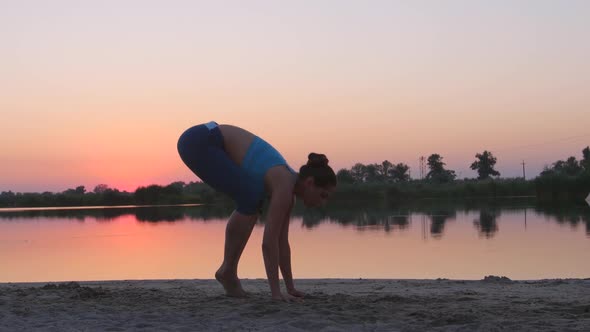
296	293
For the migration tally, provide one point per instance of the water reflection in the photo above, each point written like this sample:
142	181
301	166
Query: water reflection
567	216
429	239
144	214
438	220
438	213
486	223
435	215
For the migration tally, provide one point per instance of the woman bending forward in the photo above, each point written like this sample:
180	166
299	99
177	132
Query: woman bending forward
245	167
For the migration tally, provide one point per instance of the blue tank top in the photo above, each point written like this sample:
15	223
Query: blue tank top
258	159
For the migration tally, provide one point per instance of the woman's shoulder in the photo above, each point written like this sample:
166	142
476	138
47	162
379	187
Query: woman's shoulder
280	177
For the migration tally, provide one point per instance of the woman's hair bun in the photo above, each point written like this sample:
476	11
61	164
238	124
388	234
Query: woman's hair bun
317	168
317	160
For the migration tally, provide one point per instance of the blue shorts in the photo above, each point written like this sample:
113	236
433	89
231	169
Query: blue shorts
201	149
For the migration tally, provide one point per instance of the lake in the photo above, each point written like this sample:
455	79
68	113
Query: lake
425	241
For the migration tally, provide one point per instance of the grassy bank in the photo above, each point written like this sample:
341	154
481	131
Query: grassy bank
549	189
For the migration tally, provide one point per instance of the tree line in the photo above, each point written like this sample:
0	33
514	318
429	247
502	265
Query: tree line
484	164
175	193
564	180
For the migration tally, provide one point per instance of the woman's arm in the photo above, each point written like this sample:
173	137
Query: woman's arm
285	251
279	204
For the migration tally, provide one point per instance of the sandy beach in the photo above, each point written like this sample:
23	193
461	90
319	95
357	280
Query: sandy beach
490	304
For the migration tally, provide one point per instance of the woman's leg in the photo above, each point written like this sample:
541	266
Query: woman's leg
202	151
237	232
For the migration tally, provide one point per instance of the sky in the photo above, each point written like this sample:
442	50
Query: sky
98	92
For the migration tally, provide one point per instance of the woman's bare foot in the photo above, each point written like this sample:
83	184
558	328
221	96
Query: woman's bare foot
230	283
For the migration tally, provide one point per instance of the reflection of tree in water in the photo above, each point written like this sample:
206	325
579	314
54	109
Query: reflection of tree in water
438	219
363	219
389	223
400	222
155	214
141	213
210	212
367	219
312	218
486	224
78	215
112	214
568	215
386	218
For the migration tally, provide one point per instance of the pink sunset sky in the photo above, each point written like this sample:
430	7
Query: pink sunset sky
99	92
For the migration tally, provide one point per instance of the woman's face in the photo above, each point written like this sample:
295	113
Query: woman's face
315	196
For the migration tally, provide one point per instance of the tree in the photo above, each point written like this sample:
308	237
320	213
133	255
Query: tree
7	198
344	176
358	172
101	188
569	167
485	165
547	170
399	173
178	186
372	173
80	190
435	163
437	171
585	162
385	169
148	195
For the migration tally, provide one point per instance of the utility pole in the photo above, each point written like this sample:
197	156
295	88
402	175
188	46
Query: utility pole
421	159
523	173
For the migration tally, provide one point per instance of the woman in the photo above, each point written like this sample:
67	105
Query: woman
247	168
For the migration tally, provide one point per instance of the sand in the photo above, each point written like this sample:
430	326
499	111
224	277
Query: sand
493	304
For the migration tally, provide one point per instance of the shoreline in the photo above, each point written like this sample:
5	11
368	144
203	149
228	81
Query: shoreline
306	280
493	303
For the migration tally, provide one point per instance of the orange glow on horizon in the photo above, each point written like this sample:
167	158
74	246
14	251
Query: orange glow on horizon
83	103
